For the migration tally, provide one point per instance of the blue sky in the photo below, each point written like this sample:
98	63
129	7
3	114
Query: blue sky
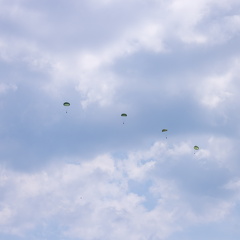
84	175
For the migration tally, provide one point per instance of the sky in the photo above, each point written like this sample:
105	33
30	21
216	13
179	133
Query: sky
83	172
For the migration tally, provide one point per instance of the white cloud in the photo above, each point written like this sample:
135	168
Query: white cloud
4	88
216	90
89	70
96	193
78	52
97	87
213	211
5	215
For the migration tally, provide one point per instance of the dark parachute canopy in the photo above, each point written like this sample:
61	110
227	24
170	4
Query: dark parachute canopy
196	147
66	104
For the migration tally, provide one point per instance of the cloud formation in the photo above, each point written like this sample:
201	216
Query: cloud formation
86	175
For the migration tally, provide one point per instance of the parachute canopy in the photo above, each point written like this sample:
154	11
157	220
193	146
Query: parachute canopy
164	130
196	147
66	104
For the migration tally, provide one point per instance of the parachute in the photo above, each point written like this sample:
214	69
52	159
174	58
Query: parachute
123	115
196	148
164	130
66	104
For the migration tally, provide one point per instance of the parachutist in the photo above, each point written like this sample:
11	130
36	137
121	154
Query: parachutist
66	104
123	115
164	130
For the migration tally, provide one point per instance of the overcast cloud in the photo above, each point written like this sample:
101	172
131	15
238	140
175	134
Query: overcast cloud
84	175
